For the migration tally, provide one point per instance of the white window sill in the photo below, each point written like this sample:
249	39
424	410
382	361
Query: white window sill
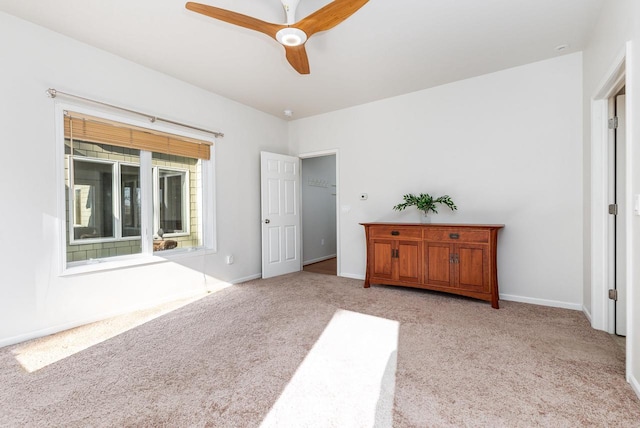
100	265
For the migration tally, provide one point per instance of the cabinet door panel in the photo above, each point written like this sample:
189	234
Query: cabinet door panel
473	265
381	250
409	261
438	264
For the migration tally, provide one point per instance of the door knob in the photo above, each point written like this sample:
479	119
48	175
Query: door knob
267	221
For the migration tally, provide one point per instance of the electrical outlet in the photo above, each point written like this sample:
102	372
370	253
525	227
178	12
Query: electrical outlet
230	260
322	241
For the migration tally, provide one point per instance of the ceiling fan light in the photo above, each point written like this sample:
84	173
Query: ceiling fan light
291	36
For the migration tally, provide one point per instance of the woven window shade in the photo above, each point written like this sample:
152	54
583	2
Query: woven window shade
97	130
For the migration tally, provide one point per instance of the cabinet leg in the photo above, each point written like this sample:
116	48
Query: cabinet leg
494	302
366	283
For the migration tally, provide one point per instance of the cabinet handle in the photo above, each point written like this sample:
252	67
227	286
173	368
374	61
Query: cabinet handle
395	233
454	236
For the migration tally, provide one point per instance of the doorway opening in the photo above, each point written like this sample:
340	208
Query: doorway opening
319	201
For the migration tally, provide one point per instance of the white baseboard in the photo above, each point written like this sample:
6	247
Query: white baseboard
587	314
512	298
77	323
246	278
352	275
319	259
541	302
635	385
212	284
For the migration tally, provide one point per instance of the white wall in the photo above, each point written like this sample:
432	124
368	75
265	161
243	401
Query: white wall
619	23
507	147
33	298
318	208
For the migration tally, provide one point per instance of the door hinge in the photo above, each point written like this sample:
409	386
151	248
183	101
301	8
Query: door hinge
613	209
613	122
613	294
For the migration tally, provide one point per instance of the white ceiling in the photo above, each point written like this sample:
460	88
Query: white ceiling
387	48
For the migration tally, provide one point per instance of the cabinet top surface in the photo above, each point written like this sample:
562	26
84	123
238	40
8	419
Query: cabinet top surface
486	226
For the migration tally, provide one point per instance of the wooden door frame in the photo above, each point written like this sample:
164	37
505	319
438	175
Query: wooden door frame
318	154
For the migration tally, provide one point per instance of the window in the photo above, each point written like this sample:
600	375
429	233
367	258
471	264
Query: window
93	182
171	205
130	200
110	199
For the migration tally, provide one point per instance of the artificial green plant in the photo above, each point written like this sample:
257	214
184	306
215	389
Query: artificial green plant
425	203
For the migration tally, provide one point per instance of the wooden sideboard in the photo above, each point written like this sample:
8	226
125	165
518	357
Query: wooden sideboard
453	258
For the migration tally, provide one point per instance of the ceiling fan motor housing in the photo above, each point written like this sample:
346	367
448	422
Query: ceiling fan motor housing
290	7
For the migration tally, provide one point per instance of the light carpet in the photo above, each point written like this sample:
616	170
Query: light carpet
315	350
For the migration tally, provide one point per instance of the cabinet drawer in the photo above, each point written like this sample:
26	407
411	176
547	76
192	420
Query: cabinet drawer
456	235
400	232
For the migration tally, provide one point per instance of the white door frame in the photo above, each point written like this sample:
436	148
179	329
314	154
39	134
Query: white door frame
602	308
330	152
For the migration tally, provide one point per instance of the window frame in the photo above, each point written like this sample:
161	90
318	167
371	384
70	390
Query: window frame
206	198
120	202
116	204
185	209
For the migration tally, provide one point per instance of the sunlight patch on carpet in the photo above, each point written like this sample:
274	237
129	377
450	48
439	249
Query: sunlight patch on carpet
346	380
39	353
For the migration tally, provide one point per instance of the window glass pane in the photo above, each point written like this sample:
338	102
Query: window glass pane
93	185
172	200
130	200
177	201
92	171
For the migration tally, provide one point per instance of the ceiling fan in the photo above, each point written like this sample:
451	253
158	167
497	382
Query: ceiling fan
292	35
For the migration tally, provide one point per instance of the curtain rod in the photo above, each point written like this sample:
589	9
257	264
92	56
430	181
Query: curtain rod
52	93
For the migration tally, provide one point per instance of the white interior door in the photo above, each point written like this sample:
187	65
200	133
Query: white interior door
280	205
621	219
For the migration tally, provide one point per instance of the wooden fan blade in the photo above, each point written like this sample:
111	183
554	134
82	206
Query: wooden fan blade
329	16
236	18
297	57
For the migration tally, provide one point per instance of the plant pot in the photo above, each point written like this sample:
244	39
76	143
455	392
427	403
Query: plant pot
424	217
